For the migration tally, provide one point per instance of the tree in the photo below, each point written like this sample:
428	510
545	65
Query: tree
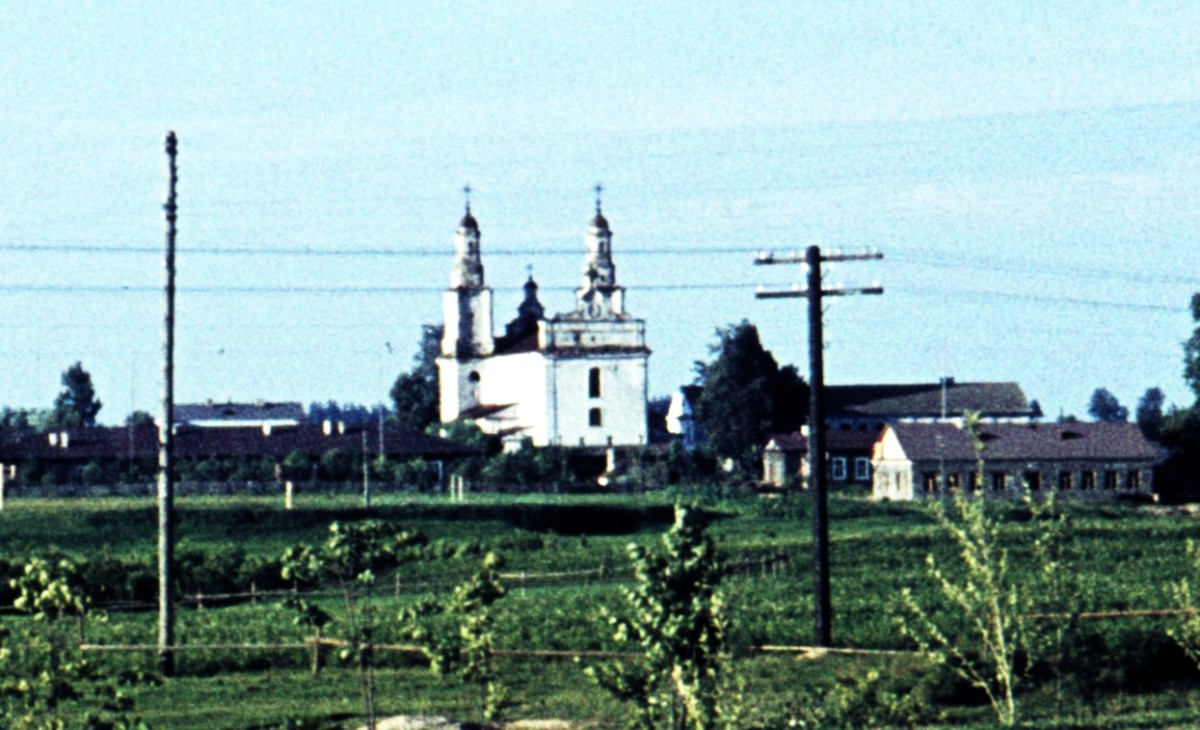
77	404
353	556
979	622
139	419
1105	408
1191	351
675	621
746	394
1150	417
415	393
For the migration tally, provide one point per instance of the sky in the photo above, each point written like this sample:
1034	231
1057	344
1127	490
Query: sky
1030	171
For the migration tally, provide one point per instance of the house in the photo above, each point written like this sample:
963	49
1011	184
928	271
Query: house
572	379
682	419
848	461
913	461
871	407
232	415
855	415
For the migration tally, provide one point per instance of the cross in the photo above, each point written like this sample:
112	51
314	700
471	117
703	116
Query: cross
467	194
599	189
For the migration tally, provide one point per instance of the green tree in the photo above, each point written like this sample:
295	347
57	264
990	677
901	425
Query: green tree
139	419
464	645
982	626
77	404
1150	416
415	393
747	395
1105	408
352	557
676	622
42	672
1191	351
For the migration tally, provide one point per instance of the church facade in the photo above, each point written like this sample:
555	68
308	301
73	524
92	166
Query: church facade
577	378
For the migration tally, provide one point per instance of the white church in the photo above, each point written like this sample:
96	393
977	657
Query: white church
572	379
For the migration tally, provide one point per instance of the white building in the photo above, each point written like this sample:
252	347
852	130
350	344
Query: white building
574	379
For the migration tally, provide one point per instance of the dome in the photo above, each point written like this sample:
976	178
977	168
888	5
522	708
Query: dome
600	221
468	222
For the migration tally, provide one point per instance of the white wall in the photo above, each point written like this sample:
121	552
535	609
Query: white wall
622	400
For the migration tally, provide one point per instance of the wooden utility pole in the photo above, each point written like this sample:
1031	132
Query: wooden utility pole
814	292
166	439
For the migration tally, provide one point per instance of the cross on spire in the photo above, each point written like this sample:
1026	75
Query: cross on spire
599	189
467	194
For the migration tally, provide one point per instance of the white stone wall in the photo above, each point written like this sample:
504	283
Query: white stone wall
622	400
467	315
591	334
455	391
518	379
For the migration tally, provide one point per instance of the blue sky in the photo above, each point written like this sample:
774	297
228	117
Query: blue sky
1030	171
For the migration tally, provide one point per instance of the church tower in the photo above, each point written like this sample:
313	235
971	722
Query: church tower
467	320
467	304
599	296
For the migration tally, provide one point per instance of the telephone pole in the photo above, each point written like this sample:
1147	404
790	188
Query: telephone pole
166	447
815	292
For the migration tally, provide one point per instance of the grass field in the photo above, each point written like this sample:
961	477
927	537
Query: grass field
566	558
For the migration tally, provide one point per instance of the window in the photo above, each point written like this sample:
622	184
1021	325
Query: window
839	468
1133	480
1033	480
999	481
930	481
953	482
594	383
973	481
1065	481
1110	479
1087	479
862	468
594	417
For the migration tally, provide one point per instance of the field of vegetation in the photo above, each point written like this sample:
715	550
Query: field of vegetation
514	599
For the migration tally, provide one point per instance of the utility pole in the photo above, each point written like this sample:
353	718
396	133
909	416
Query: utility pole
166	439
366	468
815	292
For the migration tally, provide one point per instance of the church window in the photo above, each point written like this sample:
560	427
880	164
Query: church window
594	383
594	417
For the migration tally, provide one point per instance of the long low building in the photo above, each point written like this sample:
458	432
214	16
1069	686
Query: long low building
66	451
914	461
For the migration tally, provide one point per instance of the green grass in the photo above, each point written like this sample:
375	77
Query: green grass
1122	673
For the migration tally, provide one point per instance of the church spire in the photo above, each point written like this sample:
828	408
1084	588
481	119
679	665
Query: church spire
598	294
468	264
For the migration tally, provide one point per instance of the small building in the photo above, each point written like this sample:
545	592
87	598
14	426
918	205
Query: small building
848	458
234	415
782	457
915	461
682	416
